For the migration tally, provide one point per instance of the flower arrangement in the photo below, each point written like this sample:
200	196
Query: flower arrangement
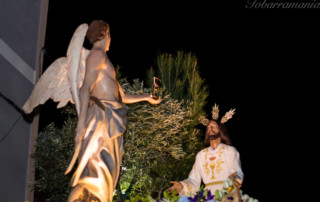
227	194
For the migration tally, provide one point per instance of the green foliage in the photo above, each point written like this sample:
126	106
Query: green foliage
155	142
182	82
172	197
53	153
139	198
181	79
167	197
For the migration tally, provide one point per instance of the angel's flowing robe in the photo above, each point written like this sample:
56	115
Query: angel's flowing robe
102	149
213	167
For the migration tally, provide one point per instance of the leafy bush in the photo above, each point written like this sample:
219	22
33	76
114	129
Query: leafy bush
54	150
154	142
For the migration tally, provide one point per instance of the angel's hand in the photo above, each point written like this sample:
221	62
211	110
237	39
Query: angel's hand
153	101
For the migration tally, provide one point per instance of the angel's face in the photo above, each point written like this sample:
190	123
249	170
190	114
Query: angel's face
108	39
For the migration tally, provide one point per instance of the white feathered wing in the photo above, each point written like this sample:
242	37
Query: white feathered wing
63	78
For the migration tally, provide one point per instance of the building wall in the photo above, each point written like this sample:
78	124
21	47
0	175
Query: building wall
22	35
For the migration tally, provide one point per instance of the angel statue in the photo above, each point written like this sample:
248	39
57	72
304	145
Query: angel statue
87	79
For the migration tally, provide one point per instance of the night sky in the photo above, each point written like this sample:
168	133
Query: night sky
245	55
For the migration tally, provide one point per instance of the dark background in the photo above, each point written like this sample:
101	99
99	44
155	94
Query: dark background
254	60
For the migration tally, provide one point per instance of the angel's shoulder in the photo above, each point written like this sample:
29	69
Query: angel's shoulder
95	57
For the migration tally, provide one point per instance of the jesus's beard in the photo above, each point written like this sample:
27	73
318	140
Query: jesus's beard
213	137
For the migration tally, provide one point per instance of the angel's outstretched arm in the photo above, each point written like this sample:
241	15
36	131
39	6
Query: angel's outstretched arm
128	99
93	66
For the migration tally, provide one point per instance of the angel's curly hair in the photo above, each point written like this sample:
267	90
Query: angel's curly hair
97	31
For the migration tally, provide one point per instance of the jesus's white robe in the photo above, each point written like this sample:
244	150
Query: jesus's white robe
213	167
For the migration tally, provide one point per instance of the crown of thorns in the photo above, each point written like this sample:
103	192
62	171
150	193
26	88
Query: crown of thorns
215	115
